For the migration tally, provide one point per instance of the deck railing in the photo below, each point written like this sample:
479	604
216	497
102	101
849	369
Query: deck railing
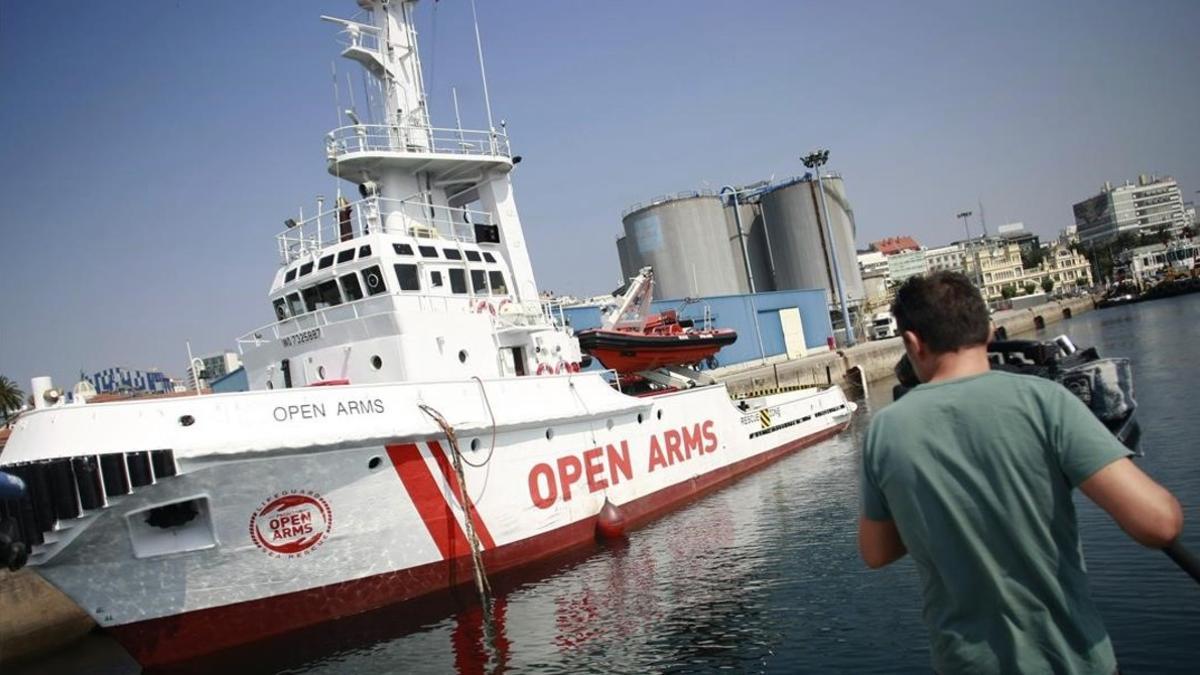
378	214
365	138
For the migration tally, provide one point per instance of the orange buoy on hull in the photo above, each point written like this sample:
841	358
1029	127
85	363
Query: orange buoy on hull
610	522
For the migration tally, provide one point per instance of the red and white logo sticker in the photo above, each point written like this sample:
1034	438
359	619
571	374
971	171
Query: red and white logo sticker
291	524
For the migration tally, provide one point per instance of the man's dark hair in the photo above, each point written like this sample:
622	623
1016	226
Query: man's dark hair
944	309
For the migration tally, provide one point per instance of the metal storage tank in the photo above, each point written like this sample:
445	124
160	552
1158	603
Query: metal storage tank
629	267
686	240
797	236
756	247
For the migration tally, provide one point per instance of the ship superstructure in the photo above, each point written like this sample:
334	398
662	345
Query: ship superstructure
453	432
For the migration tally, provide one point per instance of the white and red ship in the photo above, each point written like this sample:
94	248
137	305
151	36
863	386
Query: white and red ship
189	525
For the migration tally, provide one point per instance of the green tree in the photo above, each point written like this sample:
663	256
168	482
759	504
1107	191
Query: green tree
1032	258
1008	291
1030	287
10	396
1047	284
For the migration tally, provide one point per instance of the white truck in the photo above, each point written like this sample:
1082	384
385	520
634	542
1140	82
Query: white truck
883	325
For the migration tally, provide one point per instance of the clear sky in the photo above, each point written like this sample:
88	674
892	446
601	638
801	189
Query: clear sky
149	151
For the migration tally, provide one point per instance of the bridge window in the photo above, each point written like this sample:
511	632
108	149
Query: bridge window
325	262
458	281
473	256
428	251
305	268
489	257
435	279
407	276
452	254
345	256
351	288
310	298
280	309
294	304
364	251
498	285
479	282
327	294
373	277
290	276
402	249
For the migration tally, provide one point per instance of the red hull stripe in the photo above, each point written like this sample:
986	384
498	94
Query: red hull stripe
427	497
175	638
451	476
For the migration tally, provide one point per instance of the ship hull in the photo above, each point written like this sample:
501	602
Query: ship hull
289	535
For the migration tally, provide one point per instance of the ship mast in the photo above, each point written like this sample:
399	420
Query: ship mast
419	179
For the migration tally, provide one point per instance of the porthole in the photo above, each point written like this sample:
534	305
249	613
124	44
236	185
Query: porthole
549	434
474	443
640	418
376	362
187	420
609	425
374	462
462	356
321	372
660	414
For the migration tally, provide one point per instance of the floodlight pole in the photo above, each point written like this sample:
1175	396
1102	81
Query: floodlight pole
815	160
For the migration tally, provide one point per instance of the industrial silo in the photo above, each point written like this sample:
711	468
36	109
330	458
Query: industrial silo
629	266
756	247
685	239
798	237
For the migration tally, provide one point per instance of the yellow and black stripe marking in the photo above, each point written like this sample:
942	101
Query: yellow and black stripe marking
764	416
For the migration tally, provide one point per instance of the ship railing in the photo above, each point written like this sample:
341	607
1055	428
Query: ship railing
366	138
521	314
414	217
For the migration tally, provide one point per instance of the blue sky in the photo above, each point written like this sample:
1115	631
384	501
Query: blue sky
151	150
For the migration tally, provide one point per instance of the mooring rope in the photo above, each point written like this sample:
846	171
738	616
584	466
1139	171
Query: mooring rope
481	581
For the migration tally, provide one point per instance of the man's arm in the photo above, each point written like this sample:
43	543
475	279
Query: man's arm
1144	509
879	542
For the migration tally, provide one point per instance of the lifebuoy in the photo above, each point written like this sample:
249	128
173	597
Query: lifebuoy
485	306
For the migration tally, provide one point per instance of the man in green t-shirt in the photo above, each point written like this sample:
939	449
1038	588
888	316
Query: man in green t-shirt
971	473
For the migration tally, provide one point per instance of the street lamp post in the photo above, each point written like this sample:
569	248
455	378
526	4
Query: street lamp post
815	160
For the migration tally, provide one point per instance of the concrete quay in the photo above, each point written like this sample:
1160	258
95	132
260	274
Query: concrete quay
867	362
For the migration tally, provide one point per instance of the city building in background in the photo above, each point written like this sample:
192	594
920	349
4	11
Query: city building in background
905	264
122	380
1153	204
894	245
949	258
1015	233
871	263
212	367
1066	270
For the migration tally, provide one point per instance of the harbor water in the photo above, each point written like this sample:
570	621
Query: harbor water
764	575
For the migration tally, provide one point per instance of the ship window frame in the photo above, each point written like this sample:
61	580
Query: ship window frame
382	281
427	251
306	268
328	293
357	292
408	277
364	251
290	276
402	249
458	281
325	262
502	287
295	303
310	296
473	255
452	254
435	279
479	282
345	255
488	257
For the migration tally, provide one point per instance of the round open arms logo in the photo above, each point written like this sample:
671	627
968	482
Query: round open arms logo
288	525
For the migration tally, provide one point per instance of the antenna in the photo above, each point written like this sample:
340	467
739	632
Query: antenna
982	222
350	89
487	102
457	118
337	98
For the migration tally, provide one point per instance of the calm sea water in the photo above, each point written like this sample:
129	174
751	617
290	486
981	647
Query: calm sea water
764	576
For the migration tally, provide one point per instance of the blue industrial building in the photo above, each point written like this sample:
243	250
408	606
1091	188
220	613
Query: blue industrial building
233	381
803	313
118	380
